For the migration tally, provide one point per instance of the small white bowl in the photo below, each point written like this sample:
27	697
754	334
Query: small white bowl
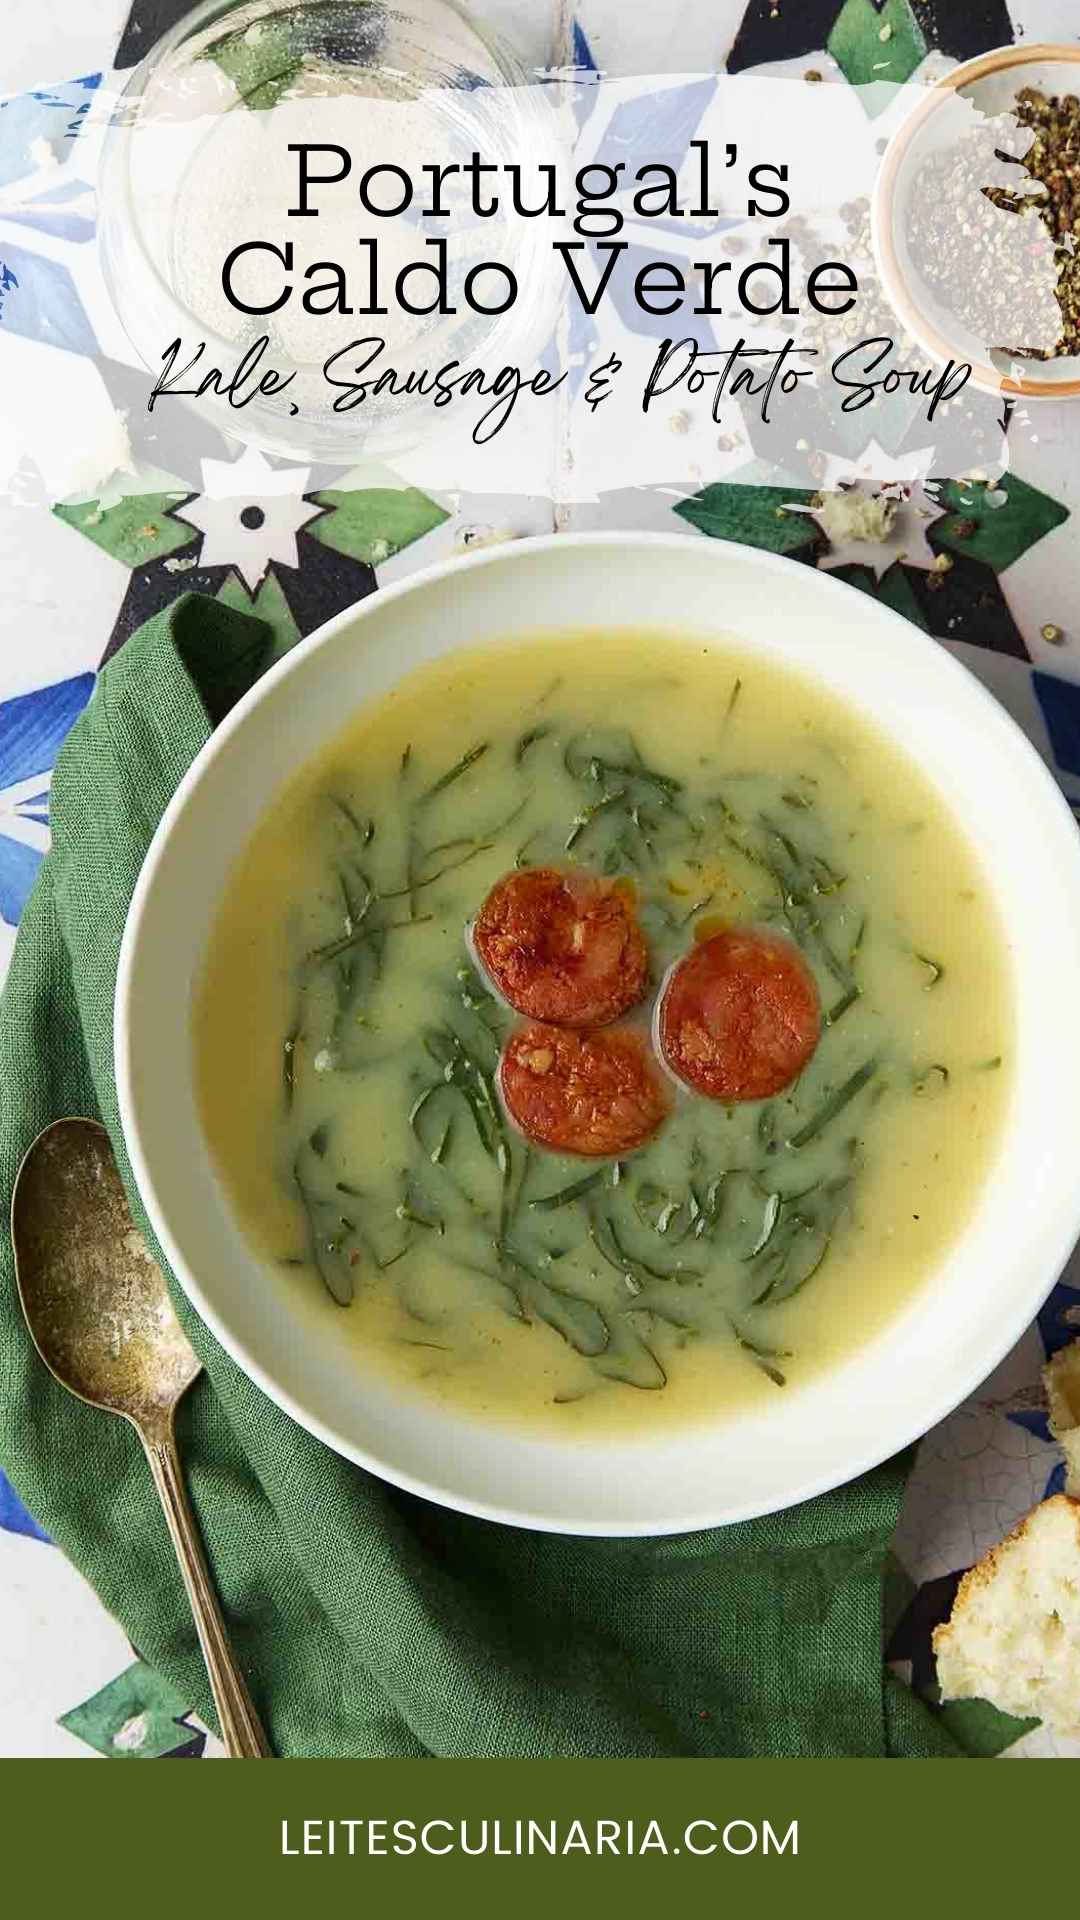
991	83
992	1280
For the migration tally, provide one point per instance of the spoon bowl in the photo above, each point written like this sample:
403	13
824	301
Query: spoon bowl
94	1299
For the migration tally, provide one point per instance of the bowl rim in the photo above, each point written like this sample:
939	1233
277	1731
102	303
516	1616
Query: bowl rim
882	207
964	1380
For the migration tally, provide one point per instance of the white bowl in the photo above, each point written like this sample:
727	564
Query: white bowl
992	1281
990	83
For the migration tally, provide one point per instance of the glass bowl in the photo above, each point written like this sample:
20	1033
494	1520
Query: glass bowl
201	159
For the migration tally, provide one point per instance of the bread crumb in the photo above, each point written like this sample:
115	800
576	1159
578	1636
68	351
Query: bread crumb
850	514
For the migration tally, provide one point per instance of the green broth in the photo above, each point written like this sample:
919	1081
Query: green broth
348	1045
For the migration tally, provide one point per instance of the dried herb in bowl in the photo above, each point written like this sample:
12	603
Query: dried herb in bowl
993	226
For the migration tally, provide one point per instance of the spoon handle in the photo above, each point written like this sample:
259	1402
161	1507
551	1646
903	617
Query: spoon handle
241	1729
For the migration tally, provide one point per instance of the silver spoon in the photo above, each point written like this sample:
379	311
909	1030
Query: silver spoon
100	1316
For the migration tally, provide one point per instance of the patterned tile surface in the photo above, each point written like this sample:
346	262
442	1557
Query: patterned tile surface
94	538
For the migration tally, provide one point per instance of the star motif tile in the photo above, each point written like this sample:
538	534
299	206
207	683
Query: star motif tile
256	536
910	510
249	515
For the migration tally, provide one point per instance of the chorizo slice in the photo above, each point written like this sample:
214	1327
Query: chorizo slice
739	1016
596	1093
564	948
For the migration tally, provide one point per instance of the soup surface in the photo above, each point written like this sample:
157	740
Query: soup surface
358	1065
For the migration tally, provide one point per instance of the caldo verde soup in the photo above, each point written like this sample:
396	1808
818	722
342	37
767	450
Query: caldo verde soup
605	1030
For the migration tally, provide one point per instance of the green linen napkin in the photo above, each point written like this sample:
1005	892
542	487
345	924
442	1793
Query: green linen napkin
368	1622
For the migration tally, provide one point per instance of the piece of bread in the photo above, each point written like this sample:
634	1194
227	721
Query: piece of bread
1014	1634
1061	1378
